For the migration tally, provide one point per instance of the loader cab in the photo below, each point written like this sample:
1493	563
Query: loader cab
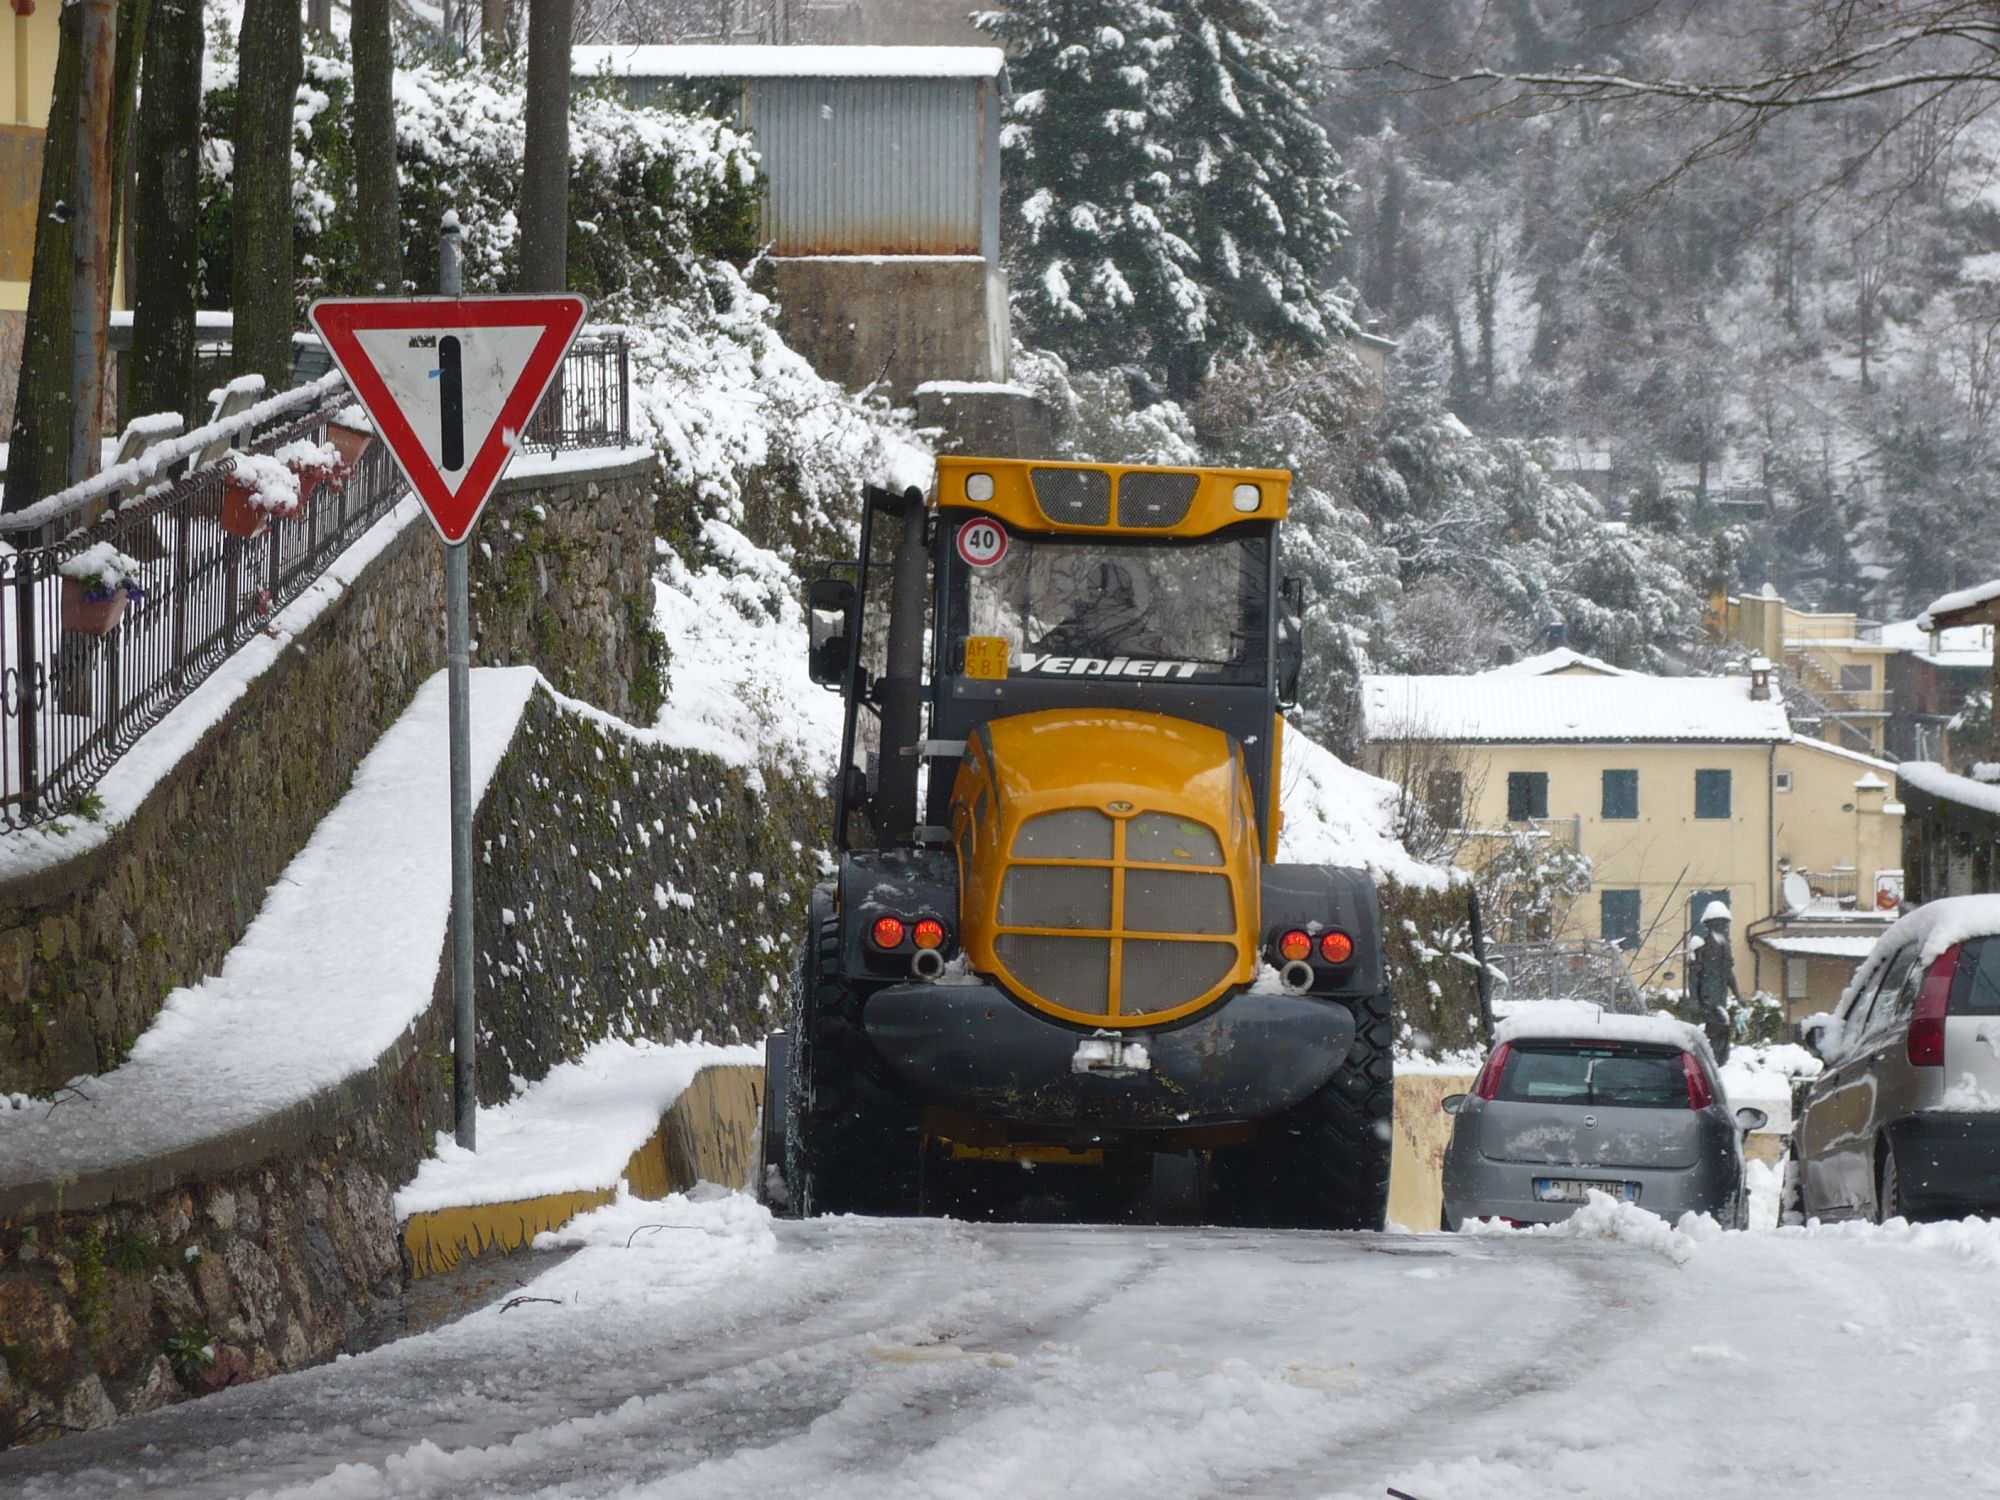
1053	586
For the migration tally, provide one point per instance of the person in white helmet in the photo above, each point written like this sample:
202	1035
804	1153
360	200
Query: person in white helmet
1712	977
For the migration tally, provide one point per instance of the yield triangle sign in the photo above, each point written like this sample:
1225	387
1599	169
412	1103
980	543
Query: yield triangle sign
450	383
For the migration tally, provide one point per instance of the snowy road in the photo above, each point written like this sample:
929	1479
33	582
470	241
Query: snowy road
725	1356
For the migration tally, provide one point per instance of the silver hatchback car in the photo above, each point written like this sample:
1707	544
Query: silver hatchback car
1628	1105
1905	1118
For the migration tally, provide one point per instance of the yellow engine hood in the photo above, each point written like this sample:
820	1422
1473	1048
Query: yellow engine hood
1108	862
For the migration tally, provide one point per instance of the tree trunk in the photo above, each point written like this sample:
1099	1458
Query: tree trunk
39	454
271	61
493	37
166	255
135	20
545	178
319	17
378	220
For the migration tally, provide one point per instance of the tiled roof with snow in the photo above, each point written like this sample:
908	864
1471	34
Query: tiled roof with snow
1562	659
1578	709
1964	599
785	62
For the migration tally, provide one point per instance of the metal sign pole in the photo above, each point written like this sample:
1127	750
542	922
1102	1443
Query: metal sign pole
458	662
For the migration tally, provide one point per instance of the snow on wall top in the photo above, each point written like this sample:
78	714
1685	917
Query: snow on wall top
1559	660
1572	708
1928	776
1963	599
719	61
1574	1021
1957	646
1335	815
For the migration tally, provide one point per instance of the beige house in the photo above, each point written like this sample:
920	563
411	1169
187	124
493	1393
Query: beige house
1836	668
1679	790
26	81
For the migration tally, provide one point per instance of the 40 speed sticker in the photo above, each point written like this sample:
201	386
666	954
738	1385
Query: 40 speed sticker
982	543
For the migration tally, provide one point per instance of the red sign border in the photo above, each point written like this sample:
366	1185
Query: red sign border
958	542
340	319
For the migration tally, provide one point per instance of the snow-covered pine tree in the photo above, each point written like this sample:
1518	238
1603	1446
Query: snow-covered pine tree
1175	195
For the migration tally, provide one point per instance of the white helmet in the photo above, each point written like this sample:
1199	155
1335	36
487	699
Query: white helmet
1715	911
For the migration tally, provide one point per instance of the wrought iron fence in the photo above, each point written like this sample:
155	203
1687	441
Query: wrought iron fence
77	692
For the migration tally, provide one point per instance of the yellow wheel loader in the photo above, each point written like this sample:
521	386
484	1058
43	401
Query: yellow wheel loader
1059	950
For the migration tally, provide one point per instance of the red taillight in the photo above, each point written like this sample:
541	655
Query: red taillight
1700	1095
928	933
1487	1084
1336	947
888	931
1926	1043
1294	945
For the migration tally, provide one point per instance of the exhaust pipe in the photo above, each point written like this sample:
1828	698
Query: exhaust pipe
927	964
1296	976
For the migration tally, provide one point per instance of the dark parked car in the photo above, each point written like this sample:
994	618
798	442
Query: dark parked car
1905	1118
1575	1100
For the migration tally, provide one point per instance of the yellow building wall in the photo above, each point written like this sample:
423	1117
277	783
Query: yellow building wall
1826	821
27	73
1666	853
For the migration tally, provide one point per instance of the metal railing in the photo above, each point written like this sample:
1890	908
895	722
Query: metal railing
73	701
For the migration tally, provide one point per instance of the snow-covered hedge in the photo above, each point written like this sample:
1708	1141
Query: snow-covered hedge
653	194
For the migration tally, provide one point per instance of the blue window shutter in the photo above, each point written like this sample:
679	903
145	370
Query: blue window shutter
1621	794
1711	794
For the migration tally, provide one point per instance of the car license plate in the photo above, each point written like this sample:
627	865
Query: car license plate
1576	1190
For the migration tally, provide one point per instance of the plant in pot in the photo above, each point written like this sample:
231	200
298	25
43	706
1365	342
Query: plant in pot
314	463
257	488
97	584
350	435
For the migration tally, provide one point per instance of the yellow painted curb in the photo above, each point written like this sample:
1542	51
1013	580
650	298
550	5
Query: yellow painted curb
707	1136
1422	1130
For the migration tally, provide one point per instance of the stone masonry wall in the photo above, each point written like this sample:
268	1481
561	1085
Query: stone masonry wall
630	889
560	577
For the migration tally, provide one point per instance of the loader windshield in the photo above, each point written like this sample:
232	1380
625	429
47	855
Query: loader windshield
1090	606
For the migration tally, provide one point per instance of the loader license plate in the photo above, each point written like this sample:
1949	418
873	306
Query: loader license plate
1577	1189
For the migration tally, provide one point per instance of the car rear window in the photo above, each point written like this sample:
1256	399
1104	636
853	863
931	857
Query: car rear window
1595	1073
1975	990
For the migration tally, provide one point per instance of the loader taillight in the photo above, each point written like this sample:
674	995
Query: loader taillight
1336	947
888	932
929	933
1294	945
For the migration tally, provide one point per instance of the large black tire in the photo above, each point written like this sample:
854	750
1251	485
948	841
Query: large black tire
1324	1164
852	1146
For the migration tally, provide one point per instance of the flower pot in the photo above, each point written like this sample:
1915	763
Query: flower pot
311	477
241	516
349	442
91	611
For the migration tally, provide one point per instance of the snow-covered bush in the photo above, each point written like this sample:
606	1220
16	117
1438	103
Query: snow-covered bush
654	195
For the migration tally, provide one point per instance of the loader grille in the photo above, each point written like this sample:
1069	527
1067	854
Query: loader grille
1116	917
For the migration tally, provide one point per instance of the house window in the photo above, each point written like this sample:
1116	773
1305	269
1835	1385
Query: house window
1784	781
1859	679
1444	798
1621	794
1618	918
1711	794
1527	795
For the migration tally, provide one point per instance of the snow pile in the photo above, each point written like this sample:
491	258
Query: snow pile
1968	1096
1974	1240
572	1131
1760	1076
1604	1217
273	484
1336	815
709	1228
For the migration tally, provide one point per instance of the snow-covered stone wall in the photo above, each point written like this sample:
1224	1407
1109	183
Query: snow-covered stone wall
630	887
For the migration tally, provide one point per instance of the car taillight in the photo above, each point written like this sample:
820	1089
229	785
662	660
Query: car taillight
888	931
1926	1044
1294	945
1700	1095
1336	947
1487	1084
